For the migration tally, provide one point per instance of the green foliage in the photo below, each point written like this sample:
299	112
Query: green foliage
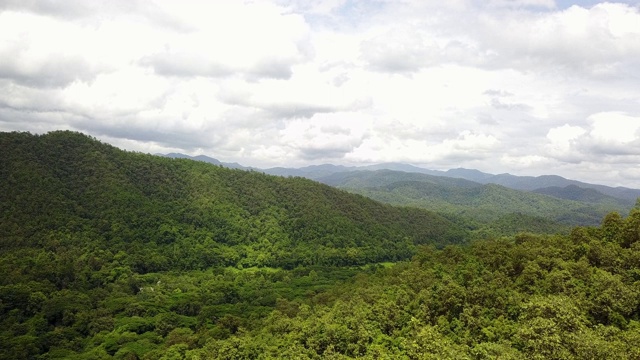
107	254
532	296
494	209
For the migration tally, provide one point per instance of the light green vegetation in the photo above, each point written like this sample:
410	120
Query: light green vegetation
108	254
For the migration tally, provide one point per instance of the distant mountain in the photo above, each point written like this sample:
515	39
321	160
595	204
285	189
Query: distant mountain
377	178
469	174
402	167
483	202
206	159
590	195
531	183
524	183
311	172
534	183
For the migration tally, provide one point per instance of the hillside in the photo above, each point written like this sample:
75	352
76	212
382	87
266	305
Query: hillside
624	196
527	297
485	203
107	254
67	186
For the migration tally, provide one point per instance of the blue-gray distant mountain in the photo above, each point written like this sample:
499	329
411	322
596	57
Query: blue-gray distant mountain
532	183
385	177
310	172
483	202
207	159
523	183
574	192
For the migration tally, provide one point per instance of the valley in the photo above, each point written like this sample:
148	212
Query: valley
109	254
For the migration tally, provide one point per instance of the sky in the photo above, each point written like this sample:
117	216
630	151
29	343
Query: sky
528	87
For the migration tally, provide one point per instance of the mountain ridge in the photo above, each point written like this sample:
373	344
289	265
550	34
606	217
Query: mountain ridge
483	202
66	184
525	183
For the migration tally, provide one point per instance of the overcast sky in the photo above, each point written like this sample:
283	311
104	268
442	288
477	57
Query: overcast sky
528	87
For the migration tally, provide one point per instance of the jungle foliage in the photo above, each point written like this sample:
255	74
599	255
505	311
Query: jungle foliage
110	254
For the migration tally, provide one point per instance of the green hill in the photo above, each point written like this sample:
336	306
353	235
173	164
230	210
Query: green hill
107	254
487	204
586	195
64	187
574	296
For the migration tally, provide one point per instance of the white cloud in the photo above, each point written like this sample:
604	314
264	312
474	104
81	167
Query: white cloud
562	142
506	85
324	137
598	41
255	39
610	127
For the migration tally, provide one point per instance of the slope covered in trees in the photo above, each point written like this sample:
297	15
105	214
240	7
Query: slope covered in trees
99	245
65	187
107	254
574	296
489	204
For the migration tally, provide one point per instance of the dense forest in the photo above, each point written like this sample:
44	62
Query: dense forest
488	205
112	254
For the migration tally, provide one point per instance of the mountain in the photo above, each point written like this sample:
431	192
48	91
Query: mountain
469	174
311	172
401	167
65	184
375	178
524	183
108	254
486	203
532	183
588	195
206	159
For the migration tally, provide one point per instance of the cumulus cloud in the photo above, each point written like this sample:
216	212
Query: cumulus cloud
601	138
599	41
400	51
613	134
562	142
323	137
528	86
254	40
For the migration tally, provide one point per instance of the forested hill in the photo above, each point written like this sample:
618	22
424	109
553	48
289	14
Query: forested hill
483	202
107	254
65	189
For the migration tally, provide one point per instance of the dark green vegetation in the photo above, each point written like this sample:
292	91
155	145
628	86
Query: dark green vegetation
494	209
554	185
110	254
485	204
65	188
573	296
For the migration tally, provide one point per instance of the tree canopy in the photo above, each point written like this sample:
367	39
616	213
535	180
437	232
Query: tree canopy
107	254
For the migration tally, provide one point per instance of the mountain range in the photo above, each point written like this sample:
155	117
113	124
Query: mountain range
109	254
490	199
552	185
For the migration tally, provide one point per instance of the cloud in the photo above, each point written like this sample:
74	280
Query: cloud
400	50
613	134
562	142
599	41
66	9
256	40
323	137
604	137
503	85
546	4
36	52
